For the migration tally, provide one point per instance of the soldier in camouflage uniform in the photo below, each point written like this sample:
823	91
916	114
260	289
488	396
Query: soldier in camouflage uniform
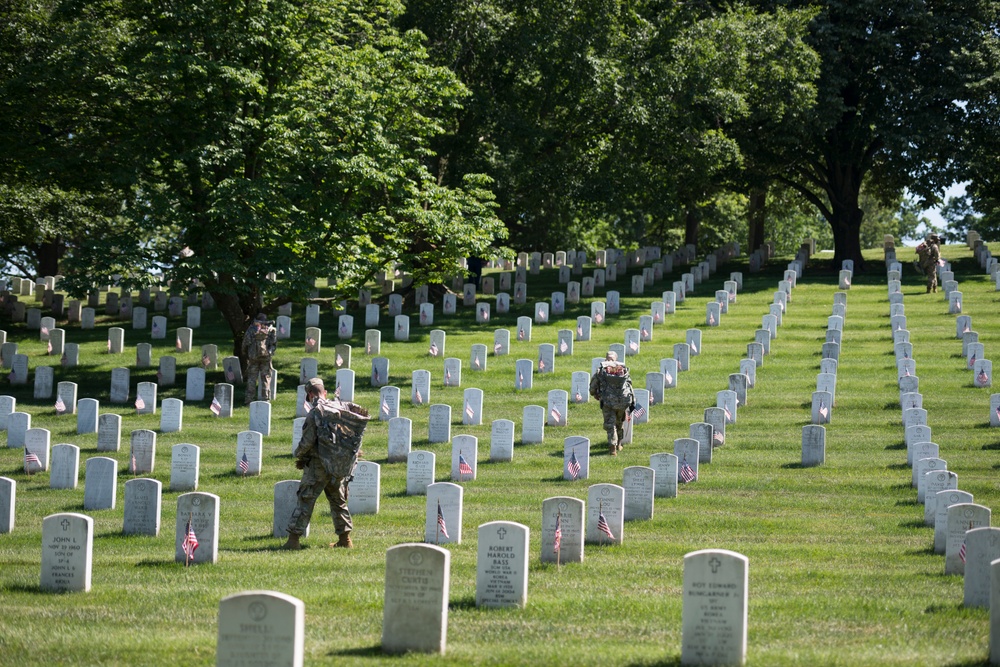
326	455
929	254
612	386
259	343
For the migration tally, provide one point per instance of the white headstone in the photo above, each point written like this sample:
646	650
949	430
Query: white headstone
100	483
415	607
67	552
714	613
260	627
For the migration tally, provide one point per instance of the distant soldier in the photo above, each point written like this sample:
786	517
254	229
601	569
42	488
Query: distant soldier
259	343
326	454
612	386
928	259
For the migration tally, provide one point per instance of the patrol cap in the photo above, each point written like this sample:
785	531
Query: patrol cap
315	386
261	317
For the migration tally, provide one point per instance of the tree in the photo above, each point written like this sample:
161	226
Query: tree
897	83
278	137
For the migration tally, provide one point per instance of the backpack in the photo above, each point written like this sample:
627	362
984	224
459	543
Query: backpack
616	389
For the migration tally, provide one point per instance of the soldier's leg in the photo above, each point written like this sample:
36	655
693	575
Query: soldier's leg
252	373
336	493
620	427
309	489
611	427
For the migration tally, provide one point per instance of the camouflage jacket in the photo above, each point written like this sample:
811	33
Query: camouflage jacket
612	386
332	432
260	342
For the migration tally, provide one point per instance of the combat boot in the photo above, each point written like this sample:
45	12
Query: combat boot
613	450
934	289
344	541
292	544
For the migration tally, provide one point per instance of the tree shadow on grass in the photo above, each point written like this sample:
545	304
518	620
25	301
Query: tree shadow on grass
898	445
361	651
926	551
674	661
911	502
913	523
892	405
795	465
897	466
465	603
992	446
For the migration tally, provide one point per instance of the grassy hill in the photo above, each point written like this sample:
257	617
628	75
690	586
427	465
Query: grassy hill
842	570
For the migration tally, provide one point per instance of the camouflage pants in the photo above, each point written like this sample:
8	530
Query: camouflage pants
258	369
614	424
315	480
931	277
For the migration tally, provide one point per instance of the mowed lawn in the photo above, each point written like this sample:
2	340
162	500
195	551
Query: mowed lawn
841	567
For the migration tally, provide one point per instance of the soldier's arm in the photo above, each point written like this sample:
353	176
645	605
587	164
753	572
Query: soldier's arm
272	340
595	385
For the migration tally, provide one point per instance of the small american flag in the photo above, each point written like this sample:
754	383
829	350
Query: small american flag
310	342
336	391
656	317
847	282
135	468
484	314
215	407
441	525
729	415
190	543
177	343
476	363
463	466
230	375
958	306
30	458
634	346
906	371
63	361
578	398
343	328
669	378
602	525
556	415
972	360
339	360
433	350
423	317
48	347
420	399
447	376
520	379
711	319
563	347
998	413
579	331
109	345
644	334
557	538
541	364
156	328
385	407
368	347
541	315
823	412
306	407
686	473
966	329
718	437
497	347
400	328
961	551
205	361
694	346
638	413
982	377
244	464
599	317
139	403
60	405
520	334
282	329
573	465
469	412
45	331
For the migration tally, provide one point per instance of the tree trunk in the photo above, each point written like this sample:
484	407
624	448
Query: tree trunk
47	256
755	219
692	224
844	192
238	321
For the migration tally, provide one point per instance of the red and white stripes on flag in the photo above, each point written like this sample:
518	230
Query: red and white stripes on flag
961	551
440	521
557	537
556	415
190	543
982	377
60	405
139	403
30	458
385	407
634	346
463	466
563	347
573	465
339	360
420	399
729	415
469	412
823	411
668	378
433	351
685	473
216	407
602	525
244	464
497	348
638	413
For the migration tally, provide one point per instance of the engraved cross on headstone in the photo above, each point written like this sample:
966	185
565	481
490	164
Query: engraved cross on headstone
501	533
715	564
65	524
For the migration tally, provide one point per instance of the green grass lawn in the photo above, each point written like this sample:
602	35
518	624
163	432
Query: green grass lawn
841	567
